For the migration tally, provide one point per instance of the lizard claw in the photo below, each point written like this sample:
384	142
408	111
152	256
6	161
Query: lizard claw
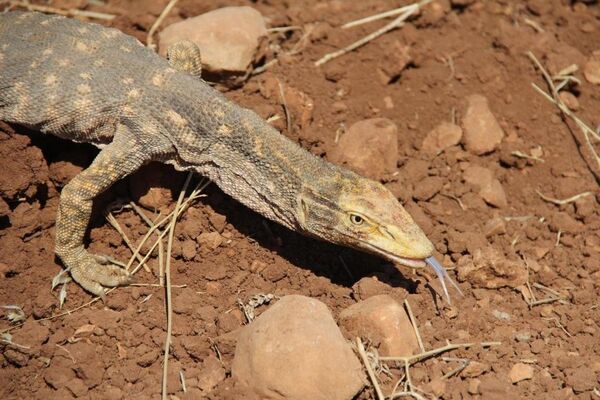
94	273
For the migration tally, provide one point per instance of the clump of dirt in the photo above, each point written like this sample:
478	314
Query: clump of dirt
419	77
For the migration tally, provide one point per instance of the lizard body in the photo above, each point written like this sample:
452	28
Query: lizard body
88	83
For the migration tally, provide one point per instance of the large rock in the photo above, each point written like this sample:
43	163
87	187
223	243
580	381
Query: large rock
228	39
370	148
384	322
294	350
443	136
482	132
490	188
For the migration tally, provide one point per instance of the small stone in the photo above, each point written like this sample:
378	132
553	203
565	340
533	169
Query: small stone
473	387
488	268
490	188
384	322
212	240
370	148
218	221
369	286
501	315
212	373
570	101
482	132
591	69
443	136
520	372
428	187
153	186
280	355
438	387
388	102
188	250
581	379
228	39
475	369
495	226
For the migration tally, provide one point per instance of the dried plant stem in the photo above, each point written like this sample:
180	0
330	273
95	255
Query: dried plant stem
168	285
398	22
376	17
586	147
413	322
115	224
156	24
427	354
71	12
564	201
365	360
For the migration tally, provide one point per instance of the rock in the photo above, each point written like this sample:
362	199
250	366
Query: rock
494	226
228	39
153	186
488	268
570	100
393	62
482	132
591	69
369	286
520	372
473	387
188	250
384	322
370	148
211	240
581	379
212	372
490	188
280	355
428	187
443	136
475	369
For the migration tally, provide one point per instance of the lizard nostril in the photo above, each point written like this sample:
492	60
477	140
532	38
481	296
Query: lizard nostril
386	232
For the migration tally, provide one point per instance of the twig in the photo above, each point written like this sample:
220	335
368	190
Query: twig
534	25
346	268
288	117
168	284
565	201
71	12
427	354
584	144
156	24
398	22
365	360
520	154
377	17
115	224
282	29
414	325
397	395
160	242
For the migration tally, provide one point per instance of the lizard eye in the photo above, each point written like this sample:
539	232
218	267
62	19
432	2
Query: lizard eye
356	219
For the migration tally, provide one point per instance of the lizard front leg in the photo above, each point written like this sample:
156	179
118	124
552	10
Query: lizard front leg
118	159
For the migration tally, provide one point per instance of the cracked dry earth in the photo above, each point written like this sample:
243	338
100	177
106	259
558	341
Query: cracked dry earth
223	252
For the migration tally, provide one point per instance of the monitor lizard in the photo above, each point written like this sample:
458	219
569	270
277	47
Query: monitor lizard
88	83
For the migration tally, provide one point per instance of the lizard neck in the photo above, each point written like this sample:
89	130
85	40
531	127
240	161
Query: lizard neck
258	166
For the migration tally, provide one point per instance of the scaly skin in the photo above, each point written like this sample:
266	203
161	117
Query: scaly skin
88	83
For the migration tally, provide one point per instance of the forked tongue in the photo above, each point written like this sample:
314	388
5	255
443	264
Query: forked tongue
442	276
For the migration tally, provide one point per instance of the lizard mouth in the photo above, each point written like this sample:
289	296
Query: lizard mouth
406	261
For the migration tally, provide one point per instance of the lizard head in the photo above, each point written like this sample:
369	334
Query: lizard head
362	214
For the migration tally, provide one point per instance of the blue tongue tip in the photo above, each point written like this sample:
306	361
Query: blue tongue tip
442	276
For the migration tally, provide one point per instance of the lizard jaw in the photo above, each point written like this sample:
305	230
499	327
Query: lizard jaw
416	263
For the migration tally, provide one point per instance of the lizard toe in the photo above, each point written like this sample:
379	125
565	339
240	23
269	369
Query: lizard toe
95	273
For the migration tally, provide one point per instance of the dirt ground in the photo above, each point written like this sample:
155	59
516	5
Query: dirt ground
114	350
